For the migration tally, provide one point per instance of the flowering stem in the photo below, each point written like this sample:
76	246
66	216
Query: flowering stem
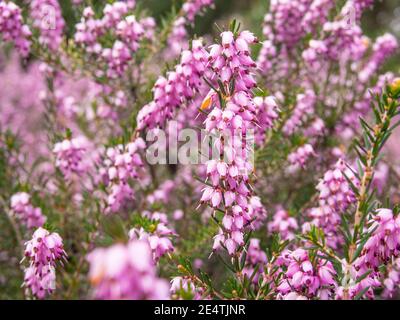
374	140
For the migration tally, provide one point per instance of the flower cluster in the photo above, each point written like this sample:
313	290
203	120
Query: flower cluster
192	8
384	244
392	281
122	163
255	257
177	39
283	224
305	103
12	27
335	196
358	6
300	156
48	19
126	272
380	249
229	176
328	220
22	208
172	91
306	276
267	113
150	150
186	286
128	31
159	239
334	188
384	47
43	252
69	156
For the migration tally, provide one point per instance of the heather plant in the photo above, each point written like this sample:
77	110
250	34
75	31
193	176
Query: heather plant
139	160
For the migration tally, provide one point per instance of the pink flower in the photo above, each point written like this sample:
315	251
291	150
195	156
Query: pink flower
283	224
159	239
306	278
69	156
178	87
42	284
121	164
126	272
43	252
334	188
229	175
12	28
22	208
47	18
300	156
255	257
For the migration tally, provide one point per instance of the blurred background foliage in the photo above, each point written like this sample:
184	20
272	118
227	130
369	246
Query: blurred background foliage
384	17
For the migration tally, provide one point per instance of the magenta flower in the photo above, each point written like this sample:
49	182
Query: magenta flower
126	272
121	164
179	86
230	189
308	279
300	156
43	252
47	18
334	188
255	257
283	224
160	239
22	208
12	28
70	155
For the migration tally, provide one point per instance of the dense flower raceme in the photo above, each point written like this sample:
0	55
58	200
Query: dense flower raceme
48	19
283	224
23	209
43	252
356	7
306	276
120	165
126	272
335	196
229	175
384	243
267	112
12	27
335	190
191	8
69	156
127	29
284	23
382	248
299	157
172	91
177	39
